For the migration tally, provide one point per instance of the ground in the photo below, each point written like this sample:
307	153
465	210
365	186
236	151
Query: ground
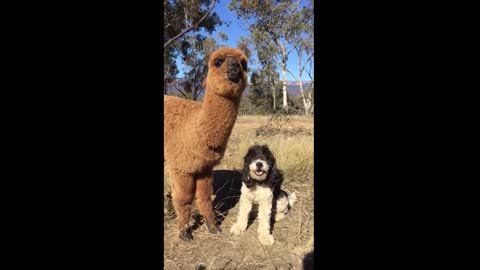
291	140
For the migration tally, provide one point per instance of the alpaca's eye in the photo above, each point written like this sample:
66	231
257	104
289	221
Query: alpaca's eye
218	62
244	65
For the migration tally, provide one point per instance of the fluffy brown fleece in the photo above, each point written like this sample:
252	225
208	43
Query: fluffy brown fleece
196	135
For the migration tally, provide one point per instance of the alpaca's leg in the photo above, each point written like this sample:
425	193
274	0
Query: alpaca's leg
264	218
203	200
183	193
242	218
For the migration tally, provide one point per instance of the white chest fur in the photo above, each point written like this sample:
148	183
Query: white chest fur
257	193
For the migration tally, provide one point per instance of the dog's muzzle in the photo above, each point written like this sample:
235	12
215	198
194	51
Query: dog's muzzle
259	171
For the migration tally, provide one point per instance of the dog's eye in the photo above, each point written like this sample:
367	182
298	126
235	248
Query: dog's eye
218	62
244	65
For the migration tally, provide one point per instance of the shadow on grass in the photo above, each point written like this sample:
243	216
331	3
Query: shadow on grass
226	186
308	261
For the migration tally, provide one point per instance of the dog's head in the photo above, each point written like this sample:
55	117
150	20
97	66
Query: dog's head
227	72
260	167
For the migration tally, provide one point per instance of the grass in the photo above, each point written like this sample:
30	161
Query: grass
291	141
294	155
293	149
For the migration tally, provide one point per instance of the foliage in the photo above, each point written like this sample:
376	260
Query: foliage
273	26
195	54
243	44
302	42
181	14
169	68
178	16
259	101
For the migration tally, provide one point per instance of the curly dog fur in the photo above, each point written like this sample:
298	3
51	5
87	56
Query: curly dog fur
261	182
196	135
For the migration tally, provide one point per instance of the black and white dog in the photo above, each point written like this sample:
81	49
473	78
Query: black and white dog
261	182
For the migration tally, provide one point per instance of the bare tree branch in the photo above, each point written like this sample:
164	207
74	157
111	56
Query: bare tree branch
191	27
180	91
294	77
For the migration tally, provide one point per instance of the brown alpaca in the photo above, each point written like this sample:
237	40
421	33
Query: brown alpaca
196	135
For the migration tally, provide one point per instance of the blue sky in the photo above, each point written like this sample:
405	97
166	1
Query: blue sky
234	31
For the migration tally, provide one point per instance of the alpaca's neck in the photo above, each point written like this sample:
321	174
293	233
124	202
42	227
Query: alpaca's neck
217	118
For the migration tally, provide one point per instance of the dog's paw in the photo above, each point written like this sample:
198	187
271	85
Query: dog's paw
213	229
237	229
185	235
266	239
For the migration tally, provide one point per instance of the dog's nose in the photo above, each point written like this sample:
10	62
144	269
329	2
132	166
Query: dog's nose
259	164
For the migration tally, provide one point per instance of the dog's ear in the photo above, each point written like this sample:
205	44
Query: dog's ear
275	178
204	83
274	171
245	179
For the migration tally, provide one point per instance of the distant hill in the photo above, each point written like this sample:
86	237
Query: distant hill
293	88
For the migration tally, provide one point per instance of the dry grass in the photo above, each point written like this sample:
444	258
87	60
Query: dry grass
291	141
294	155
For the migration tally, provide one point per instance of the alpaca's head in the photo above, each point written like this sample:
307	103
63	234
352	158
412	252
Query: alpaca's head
227	72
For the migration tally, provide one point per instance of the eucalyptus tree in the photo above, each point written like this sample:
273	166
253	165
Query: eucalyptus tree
185	21
195	52
302	43
271	25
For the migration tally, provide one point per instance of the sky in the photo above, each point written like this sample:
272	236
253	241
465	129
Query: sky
234	31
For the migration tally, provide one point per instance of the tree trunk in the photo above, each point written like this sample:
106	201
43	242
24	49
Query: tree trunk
284	72
272	83
274	101
284	87
306	104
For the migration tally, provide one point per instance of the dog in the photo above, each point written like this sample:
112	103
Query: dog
261	184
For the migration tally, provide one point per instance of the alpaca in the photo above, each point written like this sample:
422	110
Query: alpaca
196	135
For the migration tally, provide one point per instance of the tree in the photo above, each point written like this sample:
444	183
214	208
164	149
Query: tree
302	42
183	16
265	53
195	53
270	25
258	96
170	69
242	44
183	22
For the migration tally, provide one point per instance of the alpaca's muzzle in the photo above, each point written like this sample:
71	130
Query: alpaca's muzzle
234	70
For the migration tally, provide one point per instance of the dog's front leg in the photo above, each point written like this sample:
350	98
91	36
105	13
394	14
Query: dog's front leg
243	212
264	214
